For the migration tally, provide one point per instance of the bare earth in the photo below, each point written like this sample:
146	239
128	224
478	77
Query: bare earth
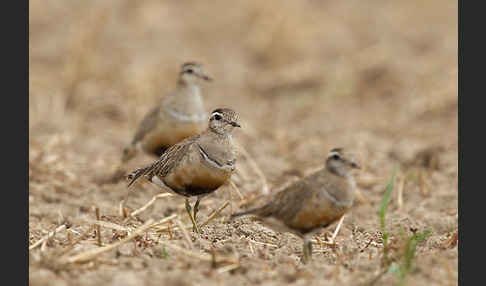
377	77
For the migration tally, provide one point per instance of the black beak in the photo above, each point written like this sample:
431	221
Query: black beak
355	165
235	124
205	77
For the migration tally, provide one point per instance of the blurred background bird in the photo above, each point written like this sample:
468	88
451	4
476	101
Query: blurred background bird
313	202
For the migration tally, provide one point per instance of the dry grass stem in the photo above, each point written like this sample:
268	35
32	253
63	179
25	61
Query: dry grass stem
228	268
98	228
154	198
211	217
171	236
48	236
232	184
336	231
121	208
164	220
44	245
93	253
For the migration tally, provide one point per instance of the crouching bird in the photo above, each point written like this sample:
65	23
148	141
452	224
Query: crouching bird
313	202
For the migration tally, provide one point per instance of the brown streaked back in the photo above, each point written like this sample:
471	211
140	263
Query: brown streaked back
165	163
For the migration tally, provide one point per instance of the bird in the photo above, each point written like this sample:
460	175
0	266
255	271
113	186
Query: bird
198	165
177	116
313	202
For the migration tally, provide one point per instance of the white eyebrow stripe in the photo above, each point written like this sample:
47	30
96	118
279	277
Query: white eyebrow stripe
333	153
214	113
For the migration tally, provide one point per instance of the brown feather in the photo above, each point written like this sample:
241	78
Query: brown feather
166	162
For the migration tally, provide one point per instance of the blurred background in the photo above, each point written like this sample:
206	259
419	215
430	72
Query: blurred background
379	77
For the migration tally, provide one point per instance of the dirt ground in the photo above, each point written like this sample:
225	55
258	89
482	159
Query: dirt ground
377	77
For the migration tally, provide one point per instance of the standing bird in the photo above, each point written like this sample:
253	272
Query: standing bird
179	115
198	165
313	202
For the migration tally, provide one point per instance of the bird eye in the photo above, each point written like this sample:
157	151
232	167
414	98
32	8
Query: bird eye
335	157
217	117
189	71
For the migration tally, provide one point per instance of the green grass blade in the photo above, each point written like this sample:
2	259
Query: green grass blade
386	199
409	255
384	204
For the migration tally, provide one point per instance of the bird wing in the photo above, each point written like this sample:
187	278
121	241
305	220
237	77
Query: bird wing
168	161
148	123
287	202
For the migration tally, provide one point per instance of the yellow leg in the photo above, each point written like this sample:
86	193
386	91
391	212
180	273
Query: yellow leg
196	208
195	228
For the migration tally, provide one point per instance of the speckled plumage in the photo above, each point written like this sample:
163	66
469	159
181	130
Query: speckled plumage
199	164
